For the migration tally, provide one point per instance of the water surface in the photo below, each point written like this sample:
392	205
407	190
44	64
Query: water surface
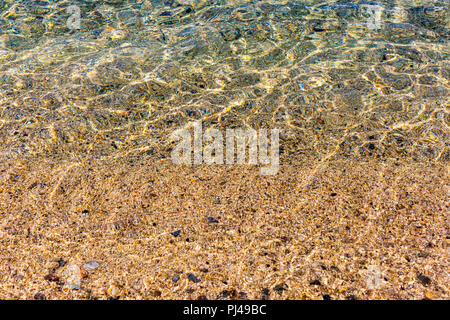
347	79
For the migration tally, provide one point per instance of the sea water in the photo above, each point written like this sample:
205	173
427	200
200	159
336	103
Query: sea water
105	79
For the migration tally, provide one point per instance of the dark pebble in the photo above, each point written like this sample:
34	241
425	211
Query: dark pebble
334	268
225	294
175	278
39	296
333	194
204	270
265	293
242	295
228	294
193	278
280	287
61	263
212	220
423	279
156	293
51	278
315	283
176	233
202	298
326	297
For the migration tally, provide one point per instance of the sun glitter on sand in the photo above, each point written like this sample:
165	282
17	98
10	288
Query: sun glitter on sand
271	237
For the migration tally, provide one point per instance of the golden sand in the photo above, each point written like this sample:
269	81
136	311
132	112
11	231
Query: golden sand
372	230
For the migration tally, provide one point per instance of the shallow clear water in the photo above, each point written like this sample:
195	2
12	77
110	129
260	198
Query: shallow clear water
350	79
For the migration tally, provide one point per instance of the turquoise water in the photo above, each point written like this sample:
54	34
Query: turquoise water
349	79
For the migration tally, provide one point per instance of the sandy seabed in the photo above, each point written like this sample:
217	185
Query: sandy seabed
152	230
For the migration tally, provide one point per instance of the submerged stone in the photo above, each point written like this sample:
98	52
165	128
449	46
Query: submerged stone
92	265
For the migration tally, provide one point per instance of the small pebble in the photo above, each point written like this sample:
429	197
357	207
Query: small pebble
242	295
113	291
92	265
61	263
73	277
334	268
51	278
424	279
265	293
175	278
280	287
39	296
176	233
156	293
315	283
193	278
228	293
212	220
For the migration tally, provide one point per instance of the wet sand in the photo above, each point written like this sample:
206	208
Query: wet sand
158	231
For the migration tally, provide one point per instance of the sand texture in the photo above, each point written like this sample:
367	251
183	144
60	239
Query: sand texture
152	230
